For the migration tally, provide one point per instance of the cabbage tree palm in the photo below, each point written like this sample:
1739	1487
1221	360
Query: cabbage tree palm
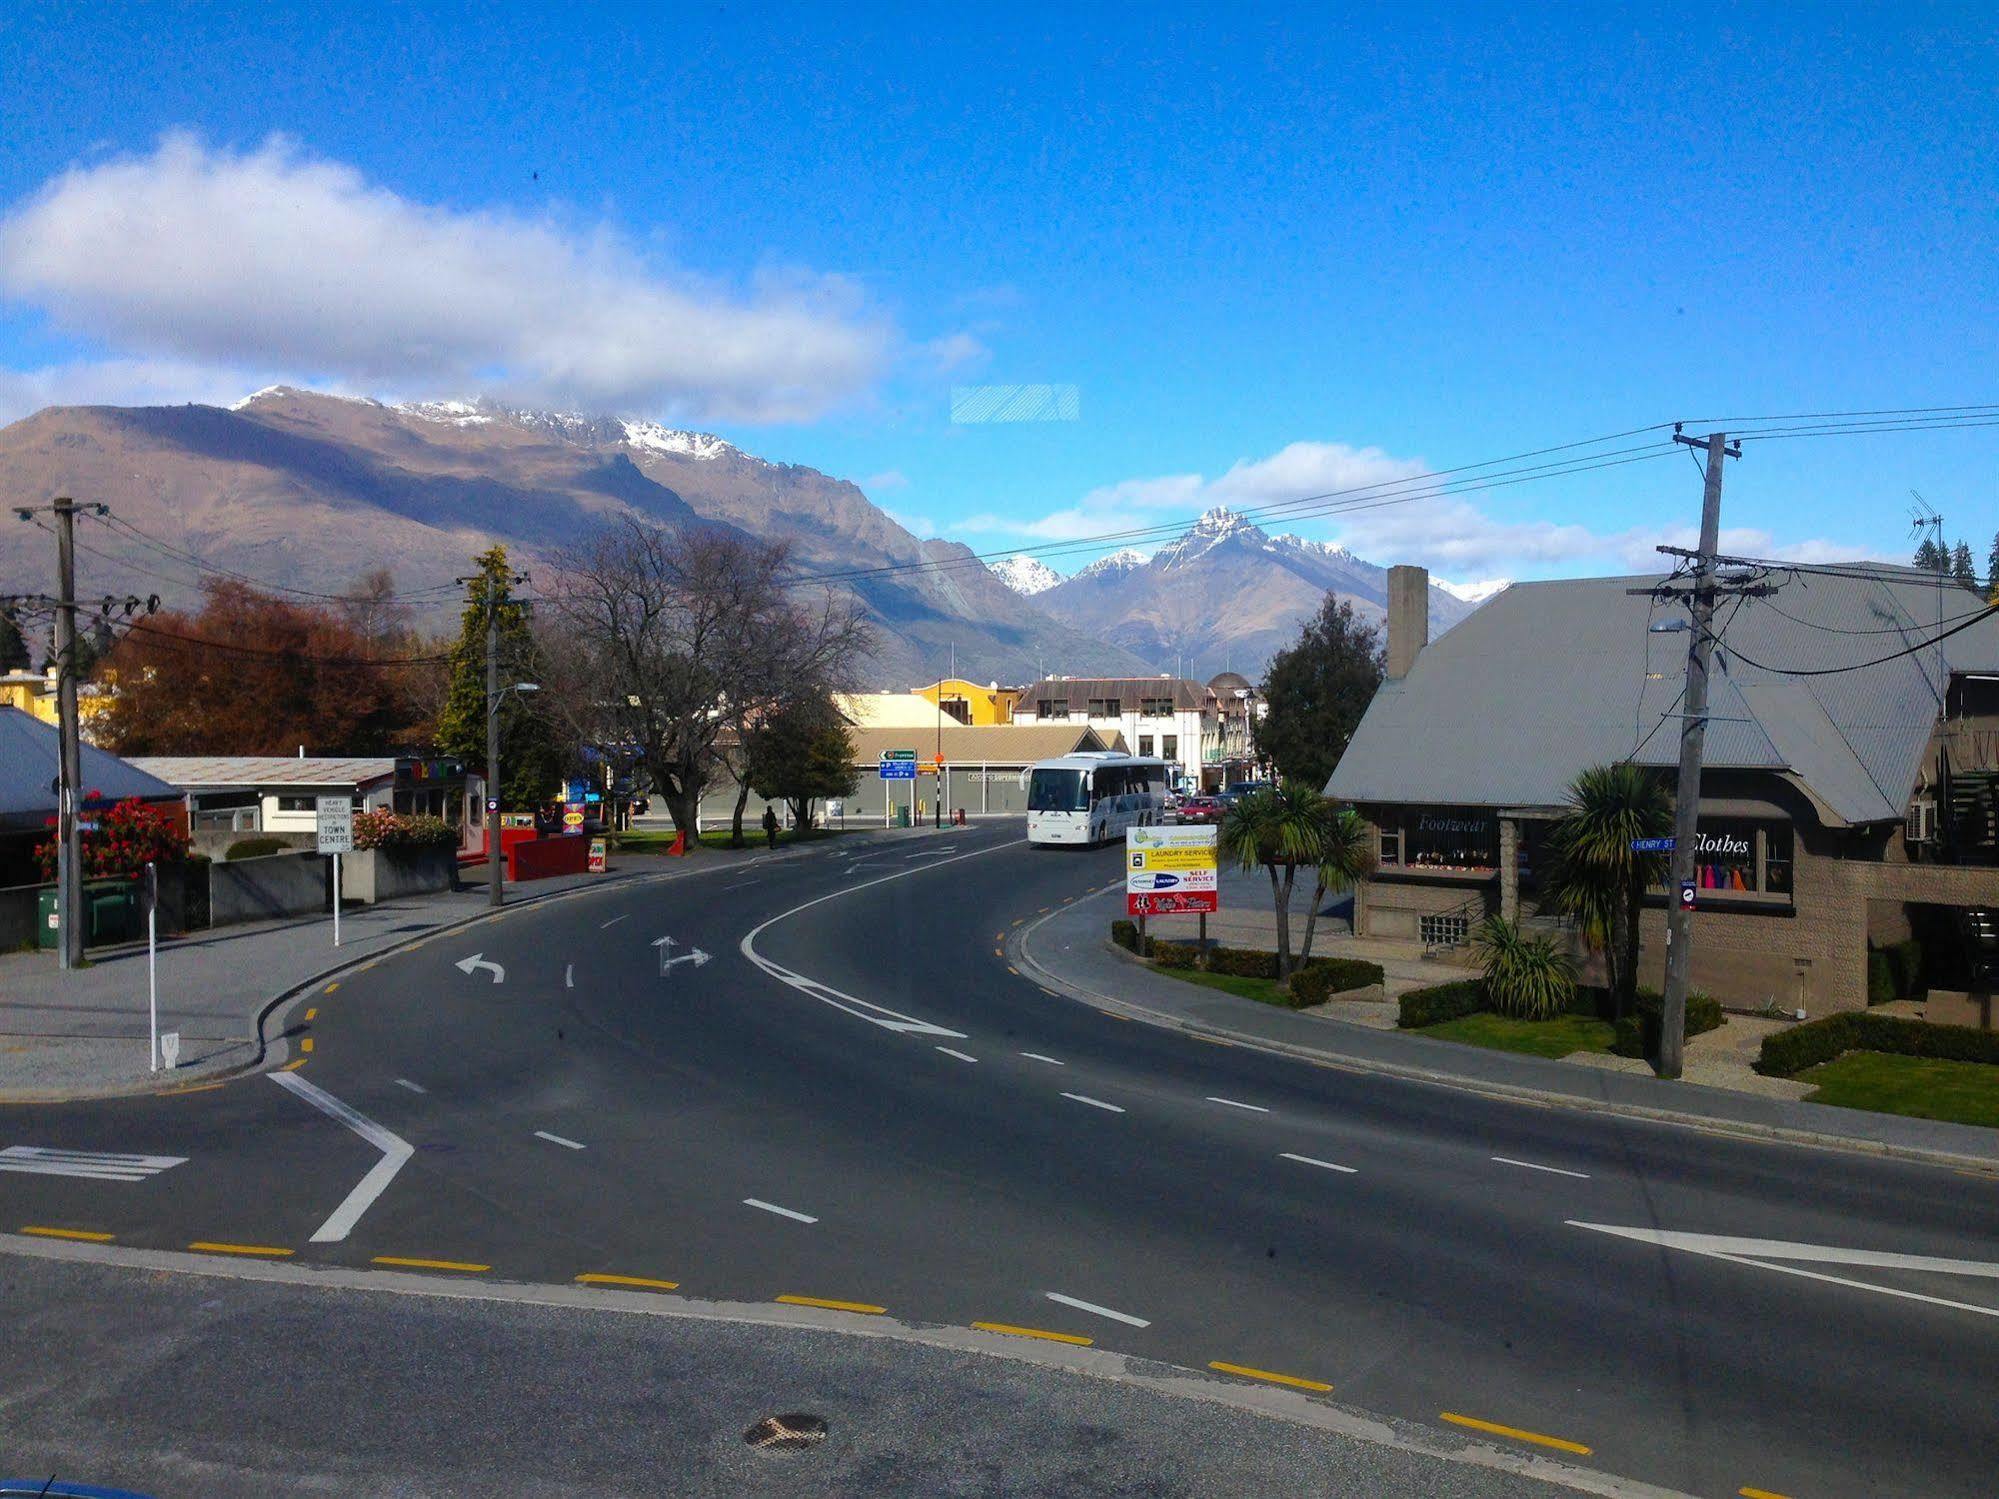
1281	829
1346	857
1526	977
1598	878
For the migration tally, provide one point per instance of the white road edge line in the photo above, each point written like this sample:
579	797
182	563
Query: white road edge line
771	1207
613	921
1254	1108
1099	1311
1505	1160
1035	1056
860	1009
403	1082
1306	1160
394	1148
542	1134
1095	1103
961	1056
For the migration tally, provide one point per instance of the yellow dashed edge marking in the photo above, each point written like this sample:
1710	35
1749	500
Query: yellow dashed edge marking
640	1282
1287	1379
197	1088
293	1066
1539	1439
86	1235
837	1306
1032	1332
305	1044
1749	1493
412	1264
263	1251
331	987
312	1014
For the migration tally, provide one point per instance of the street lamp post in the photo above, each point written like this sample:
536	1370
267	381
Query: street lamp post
495	695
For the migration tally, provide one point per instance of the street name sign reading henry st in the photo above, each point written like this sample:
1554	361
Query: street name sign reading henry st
1171	870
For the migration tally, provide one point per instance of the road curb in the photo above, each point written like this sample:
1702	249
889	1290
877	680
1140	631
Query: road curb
187	1080
1511	1092
1171	1380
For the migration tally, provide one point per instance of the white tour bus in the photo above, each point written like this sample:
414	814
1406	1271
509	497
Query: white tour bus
1092	795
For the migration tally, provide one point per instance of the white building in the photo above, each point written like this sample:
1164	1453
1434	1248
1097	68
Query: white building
1170	717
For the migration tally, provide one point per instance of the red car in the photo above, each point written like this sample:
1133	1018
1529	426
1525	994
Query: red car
1197	809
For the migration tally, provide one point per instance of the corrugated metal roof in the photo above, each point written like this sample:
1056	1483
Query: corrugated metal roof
1549	678
29	753
1129	691
208	771
999	744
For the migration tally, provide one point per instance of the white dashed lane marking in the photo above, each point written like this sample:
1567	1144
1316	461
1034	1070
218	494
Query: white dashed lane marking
1035	1056
565	1143
1254	1108
1095	1103
961	1056
1098	1311
1306	1160
1531	1166
771	1207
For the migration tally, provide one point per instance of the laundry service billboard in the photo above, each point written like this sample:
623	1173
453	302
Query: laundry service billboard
1171	870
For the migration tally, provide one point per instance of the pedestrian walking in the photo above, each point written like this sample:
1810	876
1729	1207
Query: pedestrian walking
770	827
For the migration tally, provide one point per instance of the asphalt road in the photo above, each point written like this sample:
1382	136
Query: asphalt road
852	1098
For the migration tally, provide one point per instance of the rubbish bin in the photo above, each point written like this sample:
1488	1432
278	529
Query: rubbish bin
902	817
114	913
46	931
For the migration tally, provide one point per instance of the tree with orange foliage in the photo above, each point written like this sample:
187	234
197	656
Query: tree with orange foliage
251	674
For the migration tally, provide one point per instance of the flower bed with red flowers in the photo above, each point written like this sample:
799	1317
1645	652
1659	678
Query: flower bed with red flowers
128	836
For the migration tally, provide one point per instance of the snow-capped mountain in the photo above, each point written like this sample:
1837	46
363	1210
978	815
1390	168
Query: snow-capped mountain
1225	595
1474	593
1025	575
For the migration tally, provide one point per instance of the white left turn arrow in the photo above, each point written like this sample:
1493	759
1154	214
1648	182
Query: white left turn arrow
478	961
693	955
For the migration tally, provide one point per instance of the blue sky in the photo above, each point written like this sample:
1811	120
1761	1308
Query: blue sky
1276	255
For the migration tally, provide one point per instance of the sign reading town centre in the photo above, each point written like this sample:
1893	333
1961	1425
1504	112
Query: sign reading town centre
1170	870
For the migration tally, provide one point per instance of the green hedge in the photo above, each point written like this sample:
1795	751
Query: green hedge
1790	1052
1440	1002
1638	1034
1242	962
1880	978
1894	972
1125	935
255	848
1173	954
1325	977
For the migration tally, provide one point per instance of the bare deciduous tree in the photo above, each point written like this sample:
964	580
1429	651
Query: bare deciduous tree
668	639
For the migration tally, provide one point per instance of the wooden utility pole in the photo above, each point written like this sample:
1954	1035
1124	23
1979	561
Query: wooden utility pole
1693	744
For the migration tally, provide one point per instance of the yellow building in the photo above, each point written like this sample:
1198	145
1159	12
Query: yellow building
31	692
969	703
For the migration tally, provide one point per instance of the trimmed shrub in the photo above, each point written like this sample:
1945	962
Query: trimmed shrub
1905	965
1324	977
1638	1034
1629	1039
255	848
1880	977
1173	954
1790	1052
1242	962
1125	935
1441	1002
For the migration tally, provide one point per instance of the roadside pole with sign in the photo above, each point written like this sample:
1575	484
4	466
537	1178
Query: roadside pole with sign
336	837
897	765
152	956
1172	871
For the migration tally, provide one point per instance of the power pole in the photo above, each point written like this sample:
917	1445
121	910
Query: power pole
69	771
494	897
1693	744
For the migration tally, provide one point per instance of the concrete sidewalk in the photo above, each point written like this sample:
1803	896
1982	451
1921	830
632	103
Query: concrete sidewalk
83	1034
1069	951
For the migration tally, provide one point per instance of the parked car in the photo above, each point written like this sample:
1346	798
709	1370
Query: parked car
1200	809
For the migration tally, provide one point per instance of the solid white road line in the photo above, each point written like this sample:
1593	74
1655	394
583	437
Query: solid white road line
1095	1103
1254	1108
1035	1056
1099	1311
395	1150
771	1207
542	1134
1551	1170
613	921
961	1056
860	1009
403	1082
1306	1160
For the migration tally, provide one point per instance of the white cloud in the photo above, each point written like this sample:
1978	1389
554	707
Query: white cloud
888	478
956	353
120	382
921	526
1451	536
275	260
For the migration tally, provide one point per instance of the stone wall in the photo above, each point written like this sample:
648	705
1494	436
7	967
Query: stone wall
274	885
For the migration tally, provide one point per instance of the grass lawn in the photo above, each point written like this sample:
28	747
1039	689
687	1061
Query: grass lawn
1541	1038
1921	1087
1268	991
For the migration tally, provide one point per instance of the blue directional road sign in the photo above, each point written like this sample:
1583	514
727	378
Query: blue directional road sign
1651	845
899	765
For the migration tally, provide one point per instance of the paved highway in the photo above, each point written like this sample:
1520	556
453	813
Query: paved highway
825	1081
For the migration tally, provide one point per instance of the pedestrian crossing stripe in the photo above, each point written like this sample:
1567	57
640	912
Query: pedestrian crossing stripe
94	1165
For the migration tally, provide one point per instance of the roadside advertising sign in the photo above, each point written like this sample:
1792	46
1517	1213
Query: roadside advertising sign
572	818
596	856
336	824
1168	870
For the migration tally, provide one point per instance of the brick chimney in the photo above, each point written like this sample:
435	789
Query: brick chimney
1408	617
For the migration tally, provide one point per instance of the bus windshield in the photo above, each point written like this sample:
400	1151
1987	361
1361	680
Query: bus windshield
1057	791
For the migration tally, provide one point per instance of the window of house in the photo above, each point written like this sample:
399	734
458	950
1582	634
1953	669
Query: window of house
1737	857
1451	838
1050	707
1145	744
1169	746
1391	844
958	709
1105	707
297	804
1155	707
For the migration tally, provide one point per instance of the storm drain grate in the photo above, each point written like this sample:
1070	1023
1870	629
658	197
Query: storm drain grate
793	1431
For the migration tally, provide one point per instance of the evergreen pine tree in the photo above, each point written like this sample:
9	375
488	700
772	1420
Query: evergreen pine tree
14	646
1962	570
1992	571
531	759
1930	557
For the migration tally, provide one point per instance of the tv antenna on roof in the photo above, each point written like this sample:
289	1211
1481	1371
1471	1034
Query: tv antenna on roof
1925	516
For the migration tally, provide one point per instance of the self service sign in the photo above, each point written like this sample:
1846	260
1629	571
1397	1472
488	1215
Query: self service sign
1170	870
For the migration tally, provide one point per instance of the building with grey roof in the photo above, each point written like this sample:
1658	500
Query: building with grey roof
29	757
1851	791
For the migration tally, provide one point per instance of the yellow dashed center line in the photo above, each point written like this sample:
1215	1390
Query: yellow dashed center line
837	1306
86	1235
1287	1379
1032	1332
413	1264
1539	1439
262	1251
637	1282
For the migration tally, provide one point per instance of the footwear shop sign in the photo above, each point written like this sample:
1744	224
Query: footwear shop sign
1171	870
